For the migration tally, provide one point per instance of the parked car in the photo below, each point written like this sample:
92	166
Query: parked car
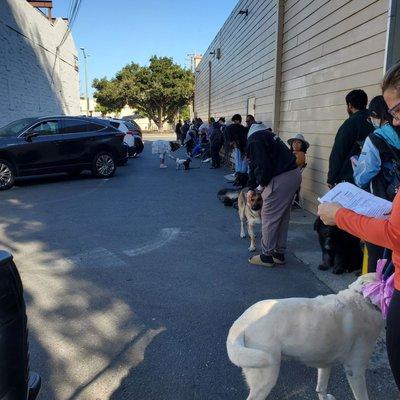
132	138
136	127
47	145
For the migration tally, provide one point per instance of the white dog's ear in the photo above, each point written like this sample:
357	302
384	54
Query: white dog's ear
358	285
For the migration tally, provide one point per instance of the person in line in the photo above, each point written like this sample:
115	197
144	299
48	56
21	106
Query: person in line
178	130
237	134
384	233
190	140
184	130
299	147
349	138
250	120
272	166
377	167
216	141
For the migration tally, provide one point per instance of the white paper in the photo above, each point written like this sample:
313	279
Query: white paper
358	200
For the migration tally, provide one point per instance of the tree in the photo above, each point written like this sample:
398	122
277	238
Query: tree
158	91
108	95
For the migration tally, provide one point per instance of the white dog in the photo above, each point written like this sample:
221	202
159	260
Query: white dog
320	332
183	163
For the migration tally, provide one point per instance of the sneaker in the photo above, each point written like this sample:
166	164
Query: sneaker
163	166
263	260
279	258
206	160
230	177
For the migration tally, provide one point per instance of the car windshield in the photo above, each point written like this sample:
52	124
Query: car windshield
16	127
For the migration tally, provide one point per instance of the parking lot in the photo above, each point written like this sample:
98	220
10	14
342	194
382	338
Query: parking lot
133	282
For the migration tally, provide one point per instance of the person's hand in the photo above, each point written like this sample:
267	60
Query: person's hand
249	195
327	212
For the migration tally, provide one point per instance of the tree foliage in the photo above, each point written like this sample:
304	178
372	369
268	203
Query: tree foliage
158	91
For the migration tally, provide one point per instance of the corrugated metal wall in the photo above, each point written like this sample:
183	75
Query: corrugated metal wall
329	48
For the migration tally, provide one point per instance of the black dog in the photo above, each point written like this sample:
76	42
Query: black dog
340	250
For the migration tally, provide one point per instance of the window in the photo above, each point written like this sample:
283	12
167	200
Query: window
74	126
16	127
91	127
46	128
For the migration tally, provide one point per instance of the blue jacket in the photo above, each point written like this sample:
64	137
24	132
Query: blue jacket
375	158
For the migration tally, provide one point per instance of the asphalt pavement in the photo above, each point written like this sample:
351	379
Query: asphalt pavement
132	284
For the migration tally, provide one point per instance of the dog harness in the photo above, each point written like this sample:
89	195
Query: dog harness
381	291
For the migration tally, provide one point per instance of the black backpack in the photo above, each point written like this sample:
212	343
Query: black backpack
390	166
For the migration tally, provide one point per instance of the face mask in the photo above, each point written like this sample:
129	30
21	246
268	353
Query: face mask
375	124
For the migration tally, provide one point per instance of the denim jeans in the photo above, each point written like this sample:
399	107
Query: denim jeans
241	165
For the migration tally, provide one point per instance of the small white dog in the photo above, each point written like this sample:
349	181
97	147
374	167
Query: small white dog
183	163
320	332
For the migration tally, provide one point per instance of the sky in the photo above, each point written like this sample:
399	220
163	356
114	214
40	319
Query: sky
117	32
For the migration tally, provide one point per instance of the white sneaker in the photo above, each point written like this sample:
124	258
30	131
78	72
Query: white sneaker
206	160
163	166
230	177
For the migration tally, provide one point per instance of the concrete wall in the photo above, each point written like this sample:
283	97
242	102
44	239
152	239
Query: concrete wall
33	80
328	48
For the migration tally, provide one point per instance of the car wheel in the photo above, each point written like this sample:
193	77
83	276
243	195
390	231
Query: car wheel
103	165
7	175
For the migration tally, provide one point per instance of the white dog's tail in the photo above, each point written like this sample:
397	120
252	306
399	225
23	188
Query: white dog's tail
242	356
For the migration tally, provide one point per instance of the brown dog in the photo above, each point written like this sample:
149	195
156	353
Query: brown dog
252	214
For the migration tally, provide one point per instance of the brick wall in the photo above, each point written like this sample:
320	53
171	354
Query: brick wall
35	78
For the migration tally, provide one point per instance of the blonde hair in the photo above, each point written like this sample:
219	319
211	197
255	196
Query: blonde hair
391	79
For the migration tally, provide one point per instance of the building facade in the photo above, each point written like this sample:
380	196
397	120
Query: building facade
291	63
39	72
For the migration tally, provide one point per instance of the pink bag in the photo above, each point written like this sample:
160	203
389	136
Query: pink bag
380	292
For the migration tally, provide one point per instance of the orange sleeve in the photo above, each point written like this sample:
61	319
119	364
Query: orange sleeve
384	233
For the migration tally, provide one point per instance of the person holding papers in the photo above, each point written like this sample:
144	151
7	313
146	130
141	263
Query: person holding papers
377	169
381	232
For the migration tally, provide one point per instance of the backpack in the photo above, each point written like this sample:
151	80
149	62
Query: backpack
390	166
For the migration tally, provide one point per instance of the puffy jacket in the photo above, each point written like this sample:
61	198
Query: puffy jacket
268	157
376	165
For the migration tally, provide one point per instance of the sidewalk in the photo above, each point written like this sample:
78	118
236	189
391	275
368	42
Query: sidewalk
303	243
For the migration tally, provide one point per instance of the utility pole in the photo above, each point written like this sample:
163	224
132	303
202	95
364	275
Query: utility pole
85	56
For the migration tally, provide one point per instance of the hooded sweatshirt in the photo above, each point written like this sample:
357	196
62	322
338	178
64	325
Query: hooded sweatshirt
268	156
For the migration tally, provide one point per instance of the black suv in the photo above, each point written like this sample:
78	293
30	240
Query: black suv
33	146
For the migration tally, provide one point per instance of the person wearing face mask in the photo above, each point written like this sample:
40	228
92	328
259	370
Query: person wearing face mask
382	232
349	138
377	167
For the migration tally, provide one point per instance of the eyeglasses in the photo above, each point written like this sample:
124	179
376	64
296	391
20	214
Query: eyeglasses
395	112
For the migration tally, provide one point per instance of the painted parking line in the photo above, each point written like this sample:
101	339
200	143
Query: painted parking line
98	257
166	236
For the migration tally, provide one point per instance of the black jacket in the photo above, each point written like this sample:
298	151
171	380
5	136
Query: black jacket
178	128
268	157
216	137
348	142
237	134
